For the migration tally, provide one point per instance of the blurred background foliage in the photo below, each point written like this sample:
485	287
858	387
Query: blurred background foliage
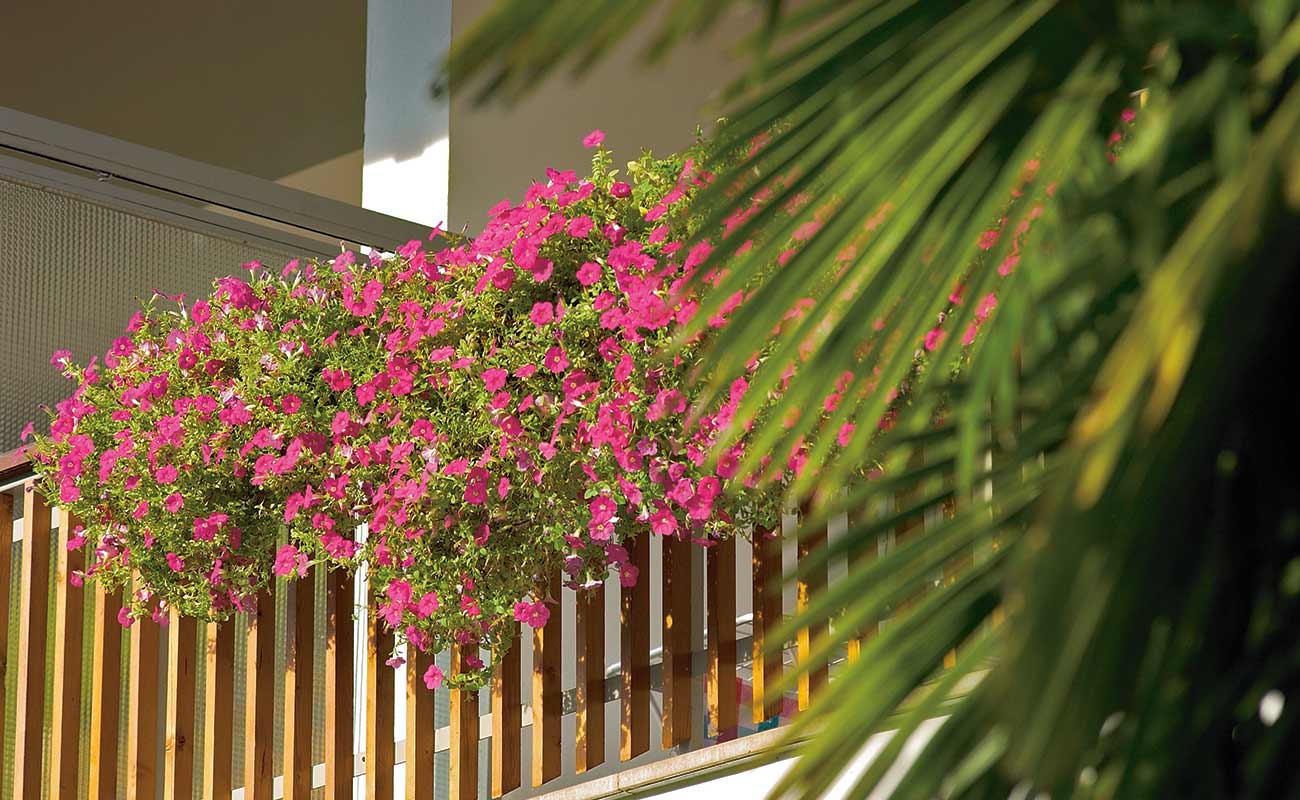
1118	520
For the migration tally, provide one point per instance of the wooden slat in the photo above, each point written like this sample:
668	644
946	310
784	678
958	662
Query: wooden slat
300	650
5	576
547	698
105	693
909	527
420	726
724	712
677	622
635	645
219	709
65	729
6	573
33	616
259	699
767	616
142	710
859	560
463	777
379	712
339	682
810	582
590	724
178	741
507	719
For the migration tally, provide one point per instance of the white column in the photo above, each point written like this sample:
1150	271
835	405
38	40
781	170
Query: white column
406	130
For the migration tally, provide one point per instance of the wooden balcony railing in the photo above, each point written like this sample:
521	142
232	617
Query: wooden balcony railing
297	702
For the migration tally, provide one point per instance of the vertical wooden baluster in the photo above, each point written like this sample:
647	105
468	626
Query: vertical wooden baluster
33	616
908	527
219	709
810	582
676	664
507	719
259	699
858	560
420	726
65	730
768	611
463	777
142	710
547	698
635	634
6	574
954	569
590	724
339	680
300	652
178	744
105	694
379	711
724	715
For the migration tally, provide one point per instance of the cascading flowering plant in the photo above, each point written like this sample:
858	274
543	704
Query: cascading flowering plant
464	420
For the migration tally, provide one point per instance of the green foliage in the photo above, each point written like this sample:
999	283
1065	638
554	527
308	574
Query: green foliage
1141	584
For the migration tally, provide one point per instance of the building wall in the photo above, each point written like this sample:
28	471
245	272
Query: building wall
497	152
278	89
272	88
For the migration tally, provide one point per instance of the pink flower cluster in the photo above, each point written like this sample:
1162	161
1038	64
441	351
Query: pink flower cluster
465	419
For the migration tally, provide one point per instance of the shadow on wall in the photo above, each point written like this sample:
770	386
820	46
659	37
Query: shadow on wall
497	152
268	89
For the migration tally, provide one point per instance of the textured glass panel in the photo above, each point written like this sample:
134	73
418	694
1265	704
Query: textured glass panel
70	274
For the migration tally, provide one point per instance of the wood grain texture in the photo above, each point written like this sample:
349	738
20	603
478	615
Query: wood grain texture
339	685
677	623
463	772
219	708
724	711
65	715
300	649
507	719
810	582
6	575
33	617
259	698
142	710
768	612
379	712
105	693
634	738
420	726
589	745
178	732
547	696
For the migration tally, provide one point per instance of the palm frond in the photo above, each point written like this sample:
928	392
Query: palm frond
1122	568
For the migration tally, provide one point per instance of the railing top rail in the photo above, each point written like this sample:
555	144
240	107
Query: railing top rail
14	465
200	182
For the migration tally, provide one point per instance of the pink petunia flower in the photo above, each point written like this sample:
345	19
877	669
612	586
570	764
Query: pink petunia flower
495	378
594	138
556	361
288	561
542	313
589	273
579	227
